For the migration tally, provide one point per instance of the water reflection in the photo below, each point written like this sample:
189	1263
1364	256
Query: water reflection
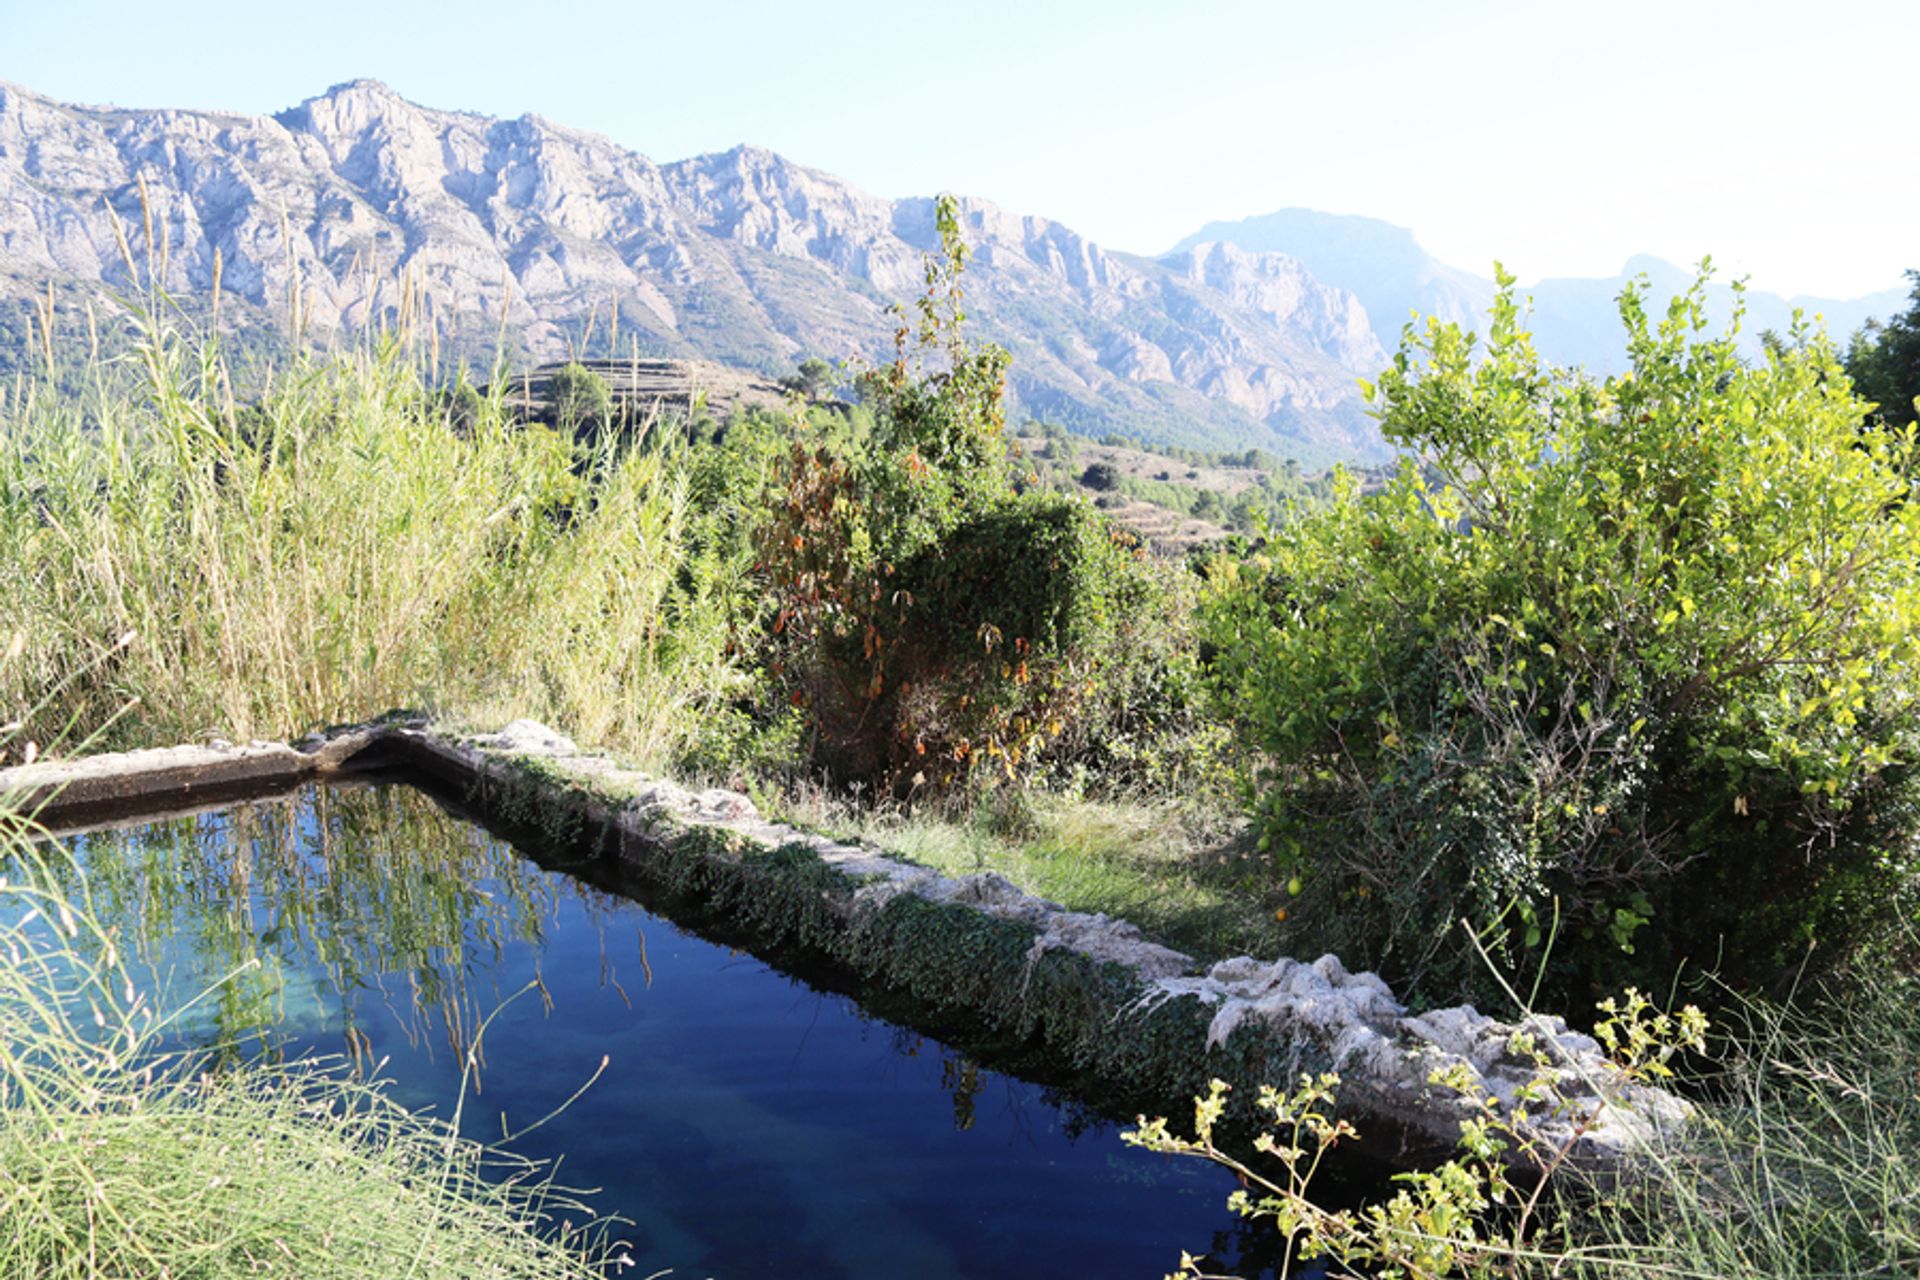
744	1122
327	908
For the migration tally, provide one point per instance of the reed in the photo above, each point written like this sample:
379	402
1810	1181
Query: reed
332	546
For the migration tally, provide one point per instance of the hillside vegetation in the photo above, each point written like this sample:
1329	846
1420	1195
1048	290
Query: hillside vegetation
1175	499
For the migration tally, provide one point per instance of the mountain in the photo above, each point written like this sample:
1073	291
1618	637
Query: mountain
1574	320
358	206
1383	265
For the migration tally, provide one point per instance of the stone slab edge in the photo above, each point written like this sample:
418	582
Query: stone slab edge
1103	998
54	793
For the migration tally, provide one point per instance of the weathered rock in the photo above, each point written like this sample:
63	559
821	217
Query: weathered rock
528	737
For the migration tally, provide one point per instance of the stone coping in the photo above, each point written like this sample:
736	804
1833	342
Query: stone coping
1094	990
98	789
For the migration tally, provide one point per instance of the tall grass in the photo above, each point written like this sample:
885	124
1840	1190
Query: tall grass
119	1159
337	548
1805	1161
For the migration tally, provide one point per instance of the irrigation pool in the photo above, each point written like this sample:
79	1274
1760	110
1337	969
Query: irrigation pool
749	1120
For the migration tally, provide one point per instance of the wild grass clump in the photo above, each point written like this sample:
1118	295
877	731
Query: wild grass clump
1803	1164
121	1159
346	544
1174	868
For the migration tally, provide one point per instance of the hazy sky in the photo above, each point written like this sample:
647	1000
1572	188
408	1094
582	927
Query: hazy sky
1558	137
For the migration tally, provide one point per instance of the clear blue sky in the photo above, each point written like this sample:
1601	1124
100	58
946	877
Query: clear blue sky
1559	137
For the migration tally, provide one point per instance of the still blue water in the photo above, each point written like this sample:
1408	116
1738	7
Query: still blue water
745	1122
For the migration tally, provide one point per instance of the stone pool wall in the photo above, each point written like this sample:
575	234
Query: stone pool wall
1145	1020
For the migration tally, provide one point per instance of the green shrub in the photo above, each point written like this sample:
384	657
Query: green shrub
1100	476
578	398
464	404
1022	630
930	618
1602	654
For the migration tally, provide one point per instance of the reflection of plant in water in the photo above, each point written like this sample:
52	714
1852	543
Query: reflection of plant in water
961	1078
121	1157
373	886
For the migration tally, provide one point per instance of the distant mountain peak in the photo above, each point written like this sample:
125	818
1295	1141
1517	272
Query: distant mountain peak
1657	270
361	85
752	153
363	94
1381	264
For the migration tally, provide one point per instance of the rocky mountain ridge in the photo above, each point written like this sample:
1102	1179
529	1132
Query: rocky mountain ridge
357	207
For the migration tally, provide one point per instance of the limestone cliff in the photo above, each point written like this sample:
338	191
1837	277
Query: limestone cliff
352	199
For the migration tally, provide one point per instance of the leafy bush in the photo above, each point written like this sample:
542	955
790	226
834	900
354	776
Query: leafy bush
929	618
1101	476
464	405
1022	630
1601	654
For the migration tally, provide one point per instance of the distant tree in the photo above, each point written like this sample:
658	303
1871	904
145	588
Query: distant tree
1101	476
1884	362
813	378
578	397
